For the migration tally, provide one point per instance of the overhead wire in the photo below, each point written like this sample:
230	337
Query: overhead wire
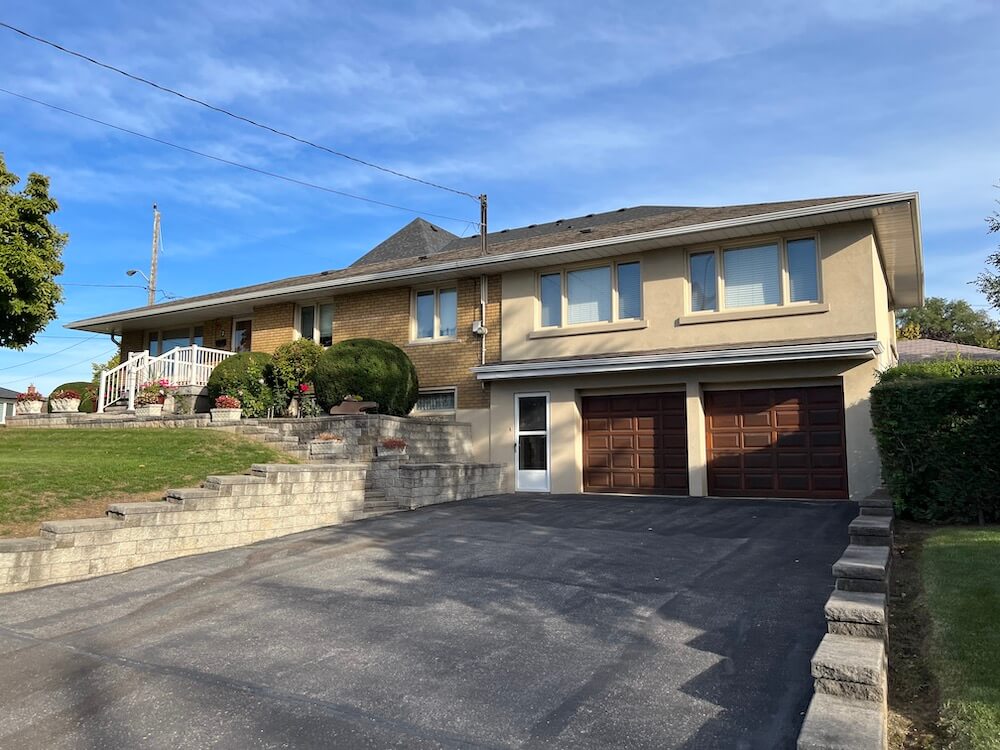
52	354
234	115
66	367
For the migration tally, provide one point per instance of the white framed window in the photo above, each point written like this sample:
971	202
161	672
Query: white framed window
436	400
316	322
590	295
765	274
435	313
161	342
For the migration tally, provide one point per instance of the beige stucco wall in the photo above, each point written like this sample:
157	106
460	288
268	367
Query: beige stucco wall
566	426
847	253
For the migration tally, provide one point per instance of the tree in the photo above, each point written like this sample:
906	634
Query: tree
30	250
988	282
949	320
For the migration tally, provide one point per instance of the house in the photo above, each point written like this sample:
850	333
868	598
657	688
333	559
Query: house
657	349
924	350
7	400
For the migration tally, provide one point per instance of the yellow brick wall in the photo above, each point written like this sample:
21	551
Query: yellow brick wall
132	341
215	327
273	325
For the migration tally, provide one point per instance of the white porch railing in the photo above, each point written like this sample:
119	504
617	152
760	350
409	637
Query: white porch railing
187	365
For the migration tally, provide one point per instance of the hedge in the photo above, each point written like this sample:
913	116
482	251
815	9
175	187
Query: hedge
937	439
372	369
943	368
87	391
244	376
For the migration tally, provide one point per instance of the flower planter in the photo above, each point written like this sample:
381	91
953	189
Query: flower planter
149	410
29	407
381	450
64	405
226	415
319	448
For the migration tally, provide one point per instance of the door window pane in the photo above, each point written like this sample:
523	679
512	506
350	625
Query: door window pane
241	336
326	325
589	295
175	339
550	291
425	315
531	452
703	282
752	277
448	312
629	291
803	284
531	413
307	322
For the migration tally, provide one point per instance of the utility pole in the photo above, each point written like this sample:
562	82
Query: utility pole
156	252
482	222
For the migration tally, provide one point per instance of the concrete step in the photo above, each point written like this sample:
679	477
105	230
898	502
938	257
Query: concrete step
862	568
871	531
834	723
856	613
850	667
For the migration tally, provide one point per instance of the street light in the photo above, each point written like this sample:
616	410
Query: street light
134	271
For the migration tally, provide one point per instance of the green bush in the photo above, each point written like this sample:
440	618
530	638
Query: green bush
244	376
375	370
936	438
293	363
87	391
942	368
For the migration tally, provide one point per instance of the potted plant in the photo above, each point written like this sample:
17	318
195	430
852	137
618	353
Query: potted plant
227	409
65	400
29	402
392	447
149	400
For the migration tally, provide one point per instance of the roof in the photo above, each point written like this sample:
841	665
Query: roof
417	238
612	232
922	350
6	394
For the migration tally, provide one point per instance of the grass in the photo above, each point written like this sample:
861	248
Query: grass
961	572
944	638
49	474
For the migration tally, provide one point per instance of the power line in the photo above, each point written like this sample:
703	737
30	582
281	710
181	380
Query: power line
228	113
231	163
60	369
39	359
103	286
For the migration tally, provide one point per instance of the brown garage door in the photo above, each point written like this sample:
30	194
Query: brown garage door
781	442
635	443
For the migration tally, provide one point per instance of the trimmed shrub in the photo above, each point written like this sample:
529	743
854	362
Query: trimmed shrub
87	391
942	368
372	369
936	438
293	363
244	376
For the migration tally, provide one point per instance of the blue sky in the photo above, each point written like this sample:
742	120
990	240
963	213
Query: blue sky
552	108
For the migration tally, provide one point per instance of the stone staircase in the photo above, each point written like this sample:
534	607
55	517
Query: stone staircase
284	442
849	668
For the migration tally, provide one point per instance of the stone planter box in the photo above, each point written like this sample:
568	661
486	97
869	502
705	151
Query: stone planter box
64	405
149	410
381	450
29	407
327	448
226	415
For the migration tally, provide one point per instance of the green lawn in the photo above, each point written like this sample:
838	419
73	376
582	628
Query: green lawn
961	574
47	474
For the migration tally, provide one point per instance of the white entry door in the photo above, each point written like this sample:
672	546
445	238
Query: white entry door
531	444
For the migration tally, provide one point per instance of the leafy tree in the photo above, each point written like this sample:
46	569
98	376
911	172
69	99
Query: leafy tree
949	320
988	282
98	367
30	250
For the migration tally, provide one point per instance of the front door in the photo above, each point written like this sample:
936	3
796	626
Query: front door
531	444
242	331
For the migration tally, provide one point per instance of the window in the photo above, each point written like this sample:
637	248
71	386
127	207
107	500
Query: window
581	296
755	276
440	400
435	313
752	276
242	330
316	323
161	342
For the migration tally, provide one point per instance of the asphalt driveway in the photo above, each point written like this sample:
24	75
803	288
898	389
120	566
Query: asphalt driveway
502	622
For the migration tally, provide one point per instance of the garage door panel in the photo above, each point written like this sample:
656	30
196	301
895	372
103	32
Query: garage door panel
635	443
780	442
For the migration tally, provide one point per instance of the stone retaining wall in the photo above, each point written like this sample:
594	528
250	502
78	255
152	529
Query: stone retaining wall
429	484
849	667
228	511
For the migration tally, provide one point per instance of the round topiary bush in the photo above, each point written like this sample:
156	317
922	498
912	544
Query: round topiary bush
375	370
293	363
244	376
87	391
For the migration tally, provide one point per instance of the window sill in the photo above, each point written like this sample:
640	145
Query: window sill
750	314
579	330
441	340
